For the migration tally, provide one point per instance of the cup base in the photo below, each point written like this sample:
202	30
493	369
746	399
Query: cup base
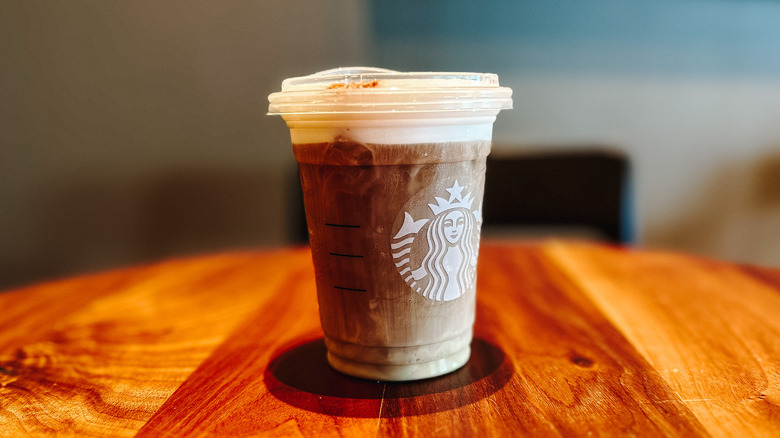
400	373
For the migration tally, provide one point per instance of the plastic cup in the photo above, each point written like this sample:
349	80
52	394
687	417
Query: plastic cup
392	168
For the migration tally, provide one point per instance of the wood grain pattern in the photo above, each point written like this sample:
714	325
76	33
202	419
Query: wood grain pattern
104	369
572	339
711	331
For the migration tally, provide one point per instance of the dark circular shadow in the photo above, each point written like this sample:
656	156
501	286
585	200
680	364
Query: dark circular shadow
302	377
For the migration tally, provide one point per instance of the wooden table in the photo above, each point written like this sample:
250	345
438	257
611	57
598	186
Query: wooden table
572	339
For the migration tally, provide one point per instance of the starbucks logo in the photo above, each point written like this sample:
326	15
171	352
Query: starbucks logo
436	252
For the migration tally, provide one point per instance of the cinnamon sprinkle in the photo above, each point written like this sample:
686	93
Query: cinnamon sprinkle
372	84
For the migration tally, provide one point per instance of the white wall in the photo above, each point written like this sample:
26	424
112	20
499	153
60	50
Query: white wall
705	151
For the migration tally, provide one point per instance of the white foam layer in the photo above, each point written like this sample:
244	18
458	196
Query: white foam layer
392	131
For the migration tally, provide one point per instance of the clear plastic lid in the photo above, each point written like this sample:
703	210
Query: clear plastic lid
353	90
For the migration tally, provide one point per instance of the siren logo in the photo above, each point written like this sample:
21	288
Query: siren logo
437	255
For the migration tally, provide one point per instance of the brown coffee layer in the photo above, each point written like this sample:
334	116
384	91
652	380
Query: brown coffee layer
345	152
354	201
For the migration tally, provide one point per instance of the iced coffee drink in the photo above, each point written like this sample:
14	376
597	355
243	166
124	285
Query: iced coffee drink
392	169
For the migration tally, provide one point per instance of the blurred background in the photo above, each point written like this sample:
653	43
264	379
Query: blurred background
136	131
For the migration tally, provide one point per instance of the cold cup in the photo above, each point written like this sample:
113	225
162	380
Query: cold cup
392	168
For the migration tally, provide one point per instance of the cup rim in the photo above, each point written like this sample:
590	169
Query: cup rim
371	90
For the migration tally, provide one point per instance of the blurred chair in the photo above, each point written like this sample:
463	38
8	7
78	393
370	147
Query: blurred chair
581	192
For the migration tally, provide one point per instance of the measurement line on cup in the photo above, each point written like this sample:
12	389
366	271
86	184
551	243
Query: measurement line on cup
354	256
341	225
350	289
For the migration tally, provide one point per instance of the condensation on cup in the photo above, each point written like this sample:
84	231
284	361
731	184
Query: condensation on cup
392	168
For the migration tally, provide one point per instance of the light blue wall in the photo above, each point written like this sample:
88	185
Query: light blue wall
666	37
